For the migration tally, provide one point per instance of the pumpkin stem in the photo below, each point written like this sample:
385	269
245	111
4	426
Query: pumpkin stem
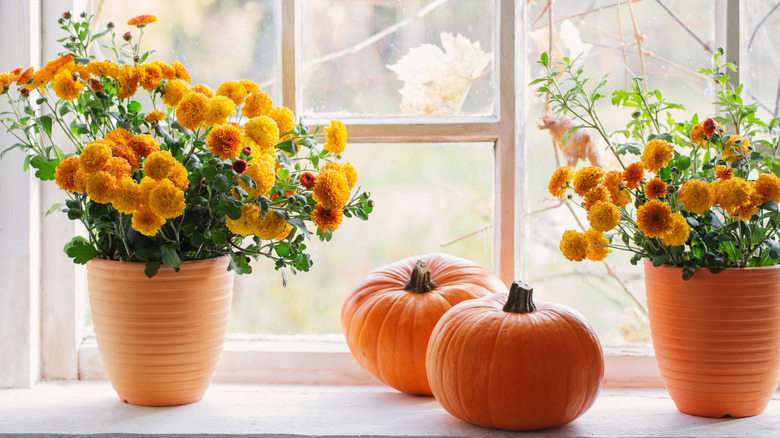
420	282
520	299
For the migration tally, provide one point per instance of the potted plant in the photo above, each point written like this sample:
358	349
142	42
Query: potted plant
172	194
697	200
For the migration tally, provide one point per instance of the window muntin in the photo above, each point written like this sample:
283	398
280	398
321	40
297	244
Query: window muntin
762	23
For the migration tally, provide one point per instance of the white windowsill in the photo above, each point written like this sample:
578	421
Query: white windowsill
92	408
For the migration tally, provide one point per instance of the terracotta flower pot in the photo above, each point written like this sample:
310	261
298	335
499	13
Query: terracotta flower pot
160	338
716	337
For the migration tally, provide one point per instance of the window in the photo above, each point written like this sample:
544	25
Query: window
498	214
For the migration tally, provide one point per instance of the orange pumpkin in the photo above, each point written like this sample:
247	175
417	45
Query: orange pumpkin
389	316
503	362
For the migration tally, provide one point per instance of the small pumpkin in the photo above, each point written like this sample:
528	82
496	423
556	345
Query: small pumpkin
389	317
506	363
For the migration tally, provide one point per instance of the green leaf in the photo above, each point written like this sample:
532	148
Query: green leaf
46	122
544	59
683	163
222	183
568	133
230	207
771	206
45	167
170	255
80	250
688	272
83	61
660	260
134	107
282	250
152	268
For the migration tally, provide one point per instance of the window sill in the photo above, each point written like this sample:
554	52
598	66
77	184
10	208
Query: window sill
92	408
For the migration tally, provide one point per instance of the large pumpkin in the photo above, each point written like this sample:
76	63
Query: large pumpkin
505	363
389	316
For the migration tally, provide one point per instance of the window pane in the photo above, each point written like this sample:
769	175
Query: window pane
672	55
429	198
763	76
216	40
353	54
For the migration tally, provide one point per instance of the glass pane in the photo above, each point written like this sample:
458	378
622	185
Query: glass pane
216	40
429	198
673	50
763	78
413	57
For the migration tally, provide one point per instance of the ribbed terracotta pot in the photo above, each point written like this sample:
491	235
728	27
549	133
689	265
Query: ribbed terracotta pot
716	337
160	338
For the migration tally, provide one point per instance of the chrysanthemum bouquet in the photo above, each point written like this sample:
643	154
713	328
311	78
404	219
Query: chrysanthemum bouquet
696	193
198	174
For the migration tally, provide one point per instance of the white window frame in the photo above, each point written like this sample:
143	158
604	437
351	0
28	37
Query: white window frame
41	317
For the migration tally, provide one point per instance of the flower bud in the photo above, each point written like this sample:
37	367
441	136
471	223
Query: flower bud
203	182
291	200
239	166
670	188
371	203
721	51
24	92
636	114
307	208
66	15
83	15
110	25
61	20
74	76
247	150
127	36
136	59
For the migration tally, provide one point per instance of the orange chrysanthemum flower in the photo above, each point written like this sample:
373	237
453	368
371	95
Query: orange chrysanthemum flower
331	190
284	118
166	200
65	87
586	179
284	232
619	195
145	221
179	176
46	74
192	110
101	187
710	127
735	148
168	72
65	174
246	224
124	152
723	173
336	137
697	135
597	245
733	193
350	173
264	175
598	194
181	72
233	90
308	180
574	246
154	117
219	109
203	89
559	181
127	197
104	68
118	167
678	233
25	76
697	196
149	76
766	188
633	174
603	216
94	156
655	188
258	103
224	141
158	165
141	20
174	91
143	145
261	134
119	136
326	219
270	227
654	218
249	86
127	82
657	154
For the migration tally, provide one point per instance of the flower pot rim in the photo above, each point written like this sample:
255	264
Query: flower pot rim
187	262
649	264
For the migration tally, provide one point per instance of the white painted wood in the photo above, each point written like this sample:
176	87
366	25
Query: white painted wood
20	217
52	409
62	303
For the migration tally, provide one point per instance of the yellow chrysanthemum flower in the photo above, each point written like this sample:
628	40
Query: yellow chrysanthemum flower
261	134
80	181
766	188
574	246
145	221
586	179
203	89
224	141
149	76
733	193
181	72
179	176
697	135
284	232
597	245
598	194
559	181
249	86
284	118
633	175
127	154
219	109
264	175
620	196
697	196
336	137
145	187
679	231
331	190
603	216
159	165
350	173
154	117
655	188
247	222
46	74
258	103
103	68
174	91
143	145
168	72
166	200
65	174
192	110
327	219
127	81
94	156
101	187
746	212
118	167
65	87
654	218
657	154
270	227
233	90
127	197
119	136
735	148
